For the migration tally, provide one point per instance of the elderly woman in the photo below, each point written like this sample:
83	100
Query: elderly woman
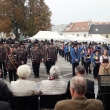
53	85
23	87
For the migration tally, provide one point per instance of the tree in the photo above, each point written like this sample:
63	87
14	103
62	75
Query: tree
29	17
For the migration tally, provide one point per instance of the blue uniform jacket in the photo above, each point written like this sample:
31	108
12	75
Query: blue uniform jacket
93	60
65	49
74	55
88	59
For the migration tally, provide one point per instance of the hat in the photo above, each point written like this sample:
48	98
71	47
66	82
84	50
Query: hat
12	46
96	50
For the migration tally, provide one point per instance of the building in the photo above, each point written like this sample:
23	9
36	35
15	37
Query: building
102	29
78	29
87	28
58	28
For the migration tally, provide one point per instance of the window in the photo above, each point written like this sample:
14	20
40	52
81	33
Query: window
96	29
67	28
84	35
106	36
83	27
77	27
77	35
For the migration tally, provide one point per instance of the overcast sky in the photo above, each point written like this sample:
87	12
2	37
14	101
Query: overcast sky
66	11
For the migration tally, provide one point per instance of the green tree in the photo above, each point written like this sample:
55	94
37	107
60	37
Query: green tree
29	17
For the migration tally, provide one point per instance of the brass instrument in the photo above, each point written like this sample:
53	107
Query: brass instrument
87	57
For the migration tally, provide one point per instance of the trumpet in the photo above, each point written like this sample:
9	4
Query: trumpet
87	57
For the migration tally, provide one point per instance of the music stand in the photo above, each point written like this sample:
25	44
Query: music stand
104	83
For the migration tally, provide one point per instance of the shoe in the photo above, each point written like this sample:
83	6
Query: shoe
5	77
37	77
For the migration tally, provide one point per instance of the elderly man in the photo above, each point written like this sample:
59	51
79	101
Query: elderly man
53	85
80	71
78	89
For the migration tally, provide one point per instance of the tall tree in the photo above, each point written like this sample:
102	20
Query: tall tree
30	17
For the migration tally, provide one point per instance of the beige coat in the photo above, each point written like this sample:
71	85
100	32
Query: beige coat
80	103
23	88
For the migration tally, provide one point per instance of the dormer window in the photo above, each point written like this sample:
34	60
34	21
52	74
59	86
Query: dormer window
83	27
77	28
96	29
67	28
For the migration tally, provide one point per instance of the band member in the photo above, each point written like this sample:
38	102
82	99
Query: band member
96	63
36	57
87	60
66	52
50	57
21	55
12	63
75	57
83	50
2	60
105	63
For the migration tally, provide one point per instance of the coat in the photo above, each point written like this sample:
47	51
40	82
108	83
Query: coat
4	91
51	87
4	106
75	56
23	88
79	103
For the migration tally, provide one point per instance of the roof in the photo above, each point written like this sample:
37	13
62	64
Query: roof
58	28
78	26
100	29
97	23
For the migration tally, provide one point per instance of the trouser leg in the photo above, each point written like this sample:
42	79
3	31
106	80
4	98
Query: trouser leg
74	65
37	68
4	68
1	69
14	75
10	75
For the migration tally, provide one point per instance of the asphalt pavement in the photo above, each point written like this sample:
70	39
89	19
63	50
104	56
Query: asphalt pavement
65	72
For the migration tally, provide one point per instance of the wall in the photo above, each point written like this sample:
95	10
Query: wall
75	33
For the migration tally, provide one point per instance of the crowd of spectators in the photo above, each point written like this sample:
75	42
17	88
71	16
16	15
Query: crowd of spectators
77	87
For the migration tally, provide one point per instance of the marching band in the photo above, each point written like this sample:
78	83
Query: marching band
93	56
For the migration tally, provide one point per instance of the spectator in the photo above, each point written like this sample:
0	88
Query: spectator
4	91
4	106
23	87
80	71
53	85
78	87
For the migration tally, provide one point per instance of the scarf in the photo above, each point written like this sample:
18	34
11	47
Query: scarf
52	78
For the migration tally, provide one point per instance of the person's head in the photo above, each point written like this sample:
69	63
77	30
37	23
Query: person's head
19	47
36	46
51	45
23	71
80	70
97	52
78	86
105	52
12	48
55	71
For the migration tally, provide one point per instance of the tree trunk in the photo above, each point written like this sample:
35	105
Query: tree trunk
16	31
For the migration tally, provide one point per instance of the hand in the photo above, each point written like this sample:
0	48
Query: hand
22	62
0	73
76	60
106	68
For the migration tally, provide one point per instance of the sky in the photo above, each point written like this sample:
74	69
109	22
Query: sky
66	11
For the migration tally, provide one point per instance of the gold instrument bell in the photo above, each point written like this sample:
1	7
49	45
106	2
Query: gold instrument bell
96	57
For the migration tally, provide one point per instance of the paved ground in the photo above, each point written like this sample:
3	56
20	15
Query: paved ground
65	75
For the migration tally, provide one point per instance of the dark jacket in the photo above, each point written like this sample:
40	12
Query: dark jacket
90	87
4	106
5	94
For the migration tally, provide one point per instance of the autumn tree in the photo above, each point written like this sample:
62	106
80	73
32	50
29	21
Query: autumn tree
30	17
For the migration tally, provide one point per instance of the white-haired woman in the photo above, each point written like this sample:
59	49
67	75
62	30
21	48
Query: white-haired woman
23	87
53	85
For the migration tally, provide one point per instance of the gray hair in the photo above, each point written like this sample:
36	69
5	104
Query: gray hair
23	71
79	85
55	71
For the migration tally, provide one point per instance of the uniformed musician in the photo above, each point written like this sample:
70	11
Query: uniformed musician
12	63
96	63
50	57
2	60
36	57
